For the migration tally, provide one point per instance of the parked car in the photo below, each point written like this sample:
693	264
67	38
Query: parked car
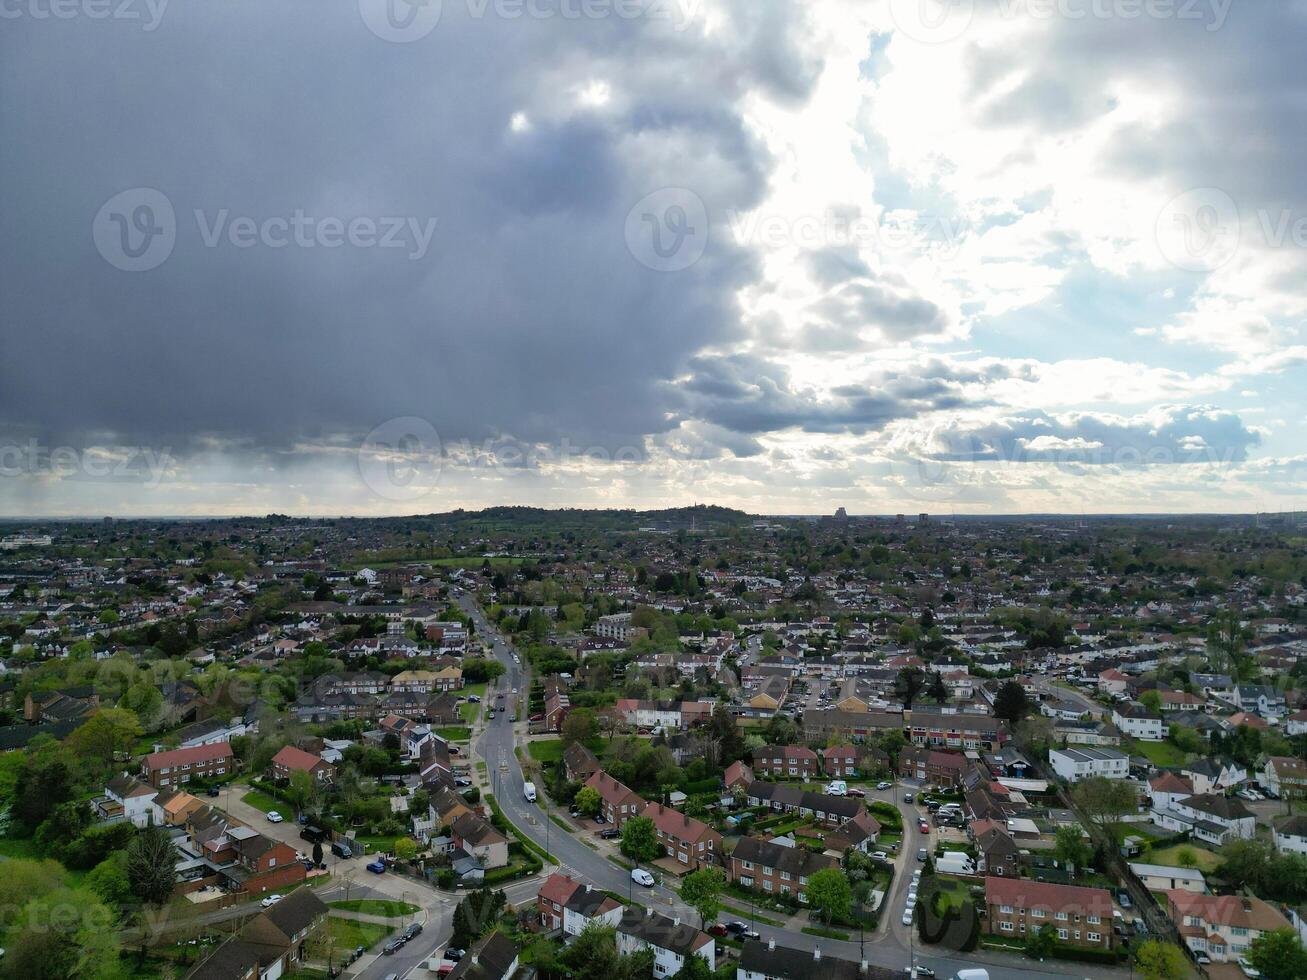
642	877
1203	959
921	855
377	867
855	791
270	901
1249	970
392	947
880	856
275	817
612	833
925	827
718	930
212	791
907	797
1123	897
907	916
883	785
454	955
919	971
414	930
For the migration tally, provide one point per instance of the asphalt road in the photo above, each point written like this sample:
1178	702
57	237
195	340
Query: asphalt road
893	945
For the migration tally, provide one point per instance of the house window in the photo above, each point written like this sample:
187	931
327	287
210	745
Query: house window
1061	917
1061	934
1005	926
1094	937
1037	913
1005	909
1093	920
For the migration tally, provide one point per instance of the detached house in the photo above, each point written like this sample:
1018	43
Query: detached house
1222	926
671	940
1210	818
1285	776
1073	765
1138	722
1291	835
290	759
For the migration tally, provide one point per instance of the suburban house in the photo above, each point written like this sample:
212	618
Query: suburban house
1168	788
766	961
1285	776
1291	835
1296	723
1163	878
1209	775
1018	908
1138	722
474	835
775	868
271	944
738	774
944	769
179	766
781	798
786	761
999	854
670	939
840	762
579	763
290	759
1073	765
1112	681
493	958
250	862
127	798
691	842
1210	818
617	803
1222	926
945	729
1260	699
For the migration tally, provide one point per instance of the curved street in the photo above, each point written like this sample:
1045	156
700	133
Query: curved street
892	945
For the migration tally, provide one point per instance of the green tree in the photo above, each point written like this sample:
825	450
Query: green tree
830	893
62	935
1161	961
593	954
301	788
106	734
579	726
406	849
1105	801
588	800
1071	848
640	840
1011	703
909	684
151	866
109	881
1151	700
1041	943
702	891
1278	955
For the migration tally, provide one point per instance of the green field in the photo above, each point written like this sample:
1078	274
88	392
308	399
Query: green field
262	801
347	933
390	908
1170	857
454	733
467	709
1159	753
551	749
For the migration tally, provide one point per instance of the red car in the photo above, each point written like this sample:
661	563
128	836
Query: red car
854	791
717	929
925	827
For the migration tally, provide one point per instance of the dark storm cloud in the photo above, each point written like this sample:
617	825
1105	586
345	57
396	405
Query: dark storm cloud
528	315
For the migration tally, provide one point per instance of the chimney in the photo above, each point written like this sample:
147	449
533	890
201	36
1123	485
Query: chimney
816	955
648	912
771	945
862	967
676	922
588	889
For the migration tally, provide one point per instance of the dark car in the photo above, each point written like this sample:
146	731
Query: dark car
315	835
212	791
907	797
612	833
377	867
414	930
454	955
393	947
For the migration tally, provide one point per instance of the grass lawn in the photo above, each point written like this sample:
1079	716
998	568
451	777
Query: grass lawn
1159	753
262	801
1206	860
547	750
390	908
348	933
952	893
20	847
455	733
467	709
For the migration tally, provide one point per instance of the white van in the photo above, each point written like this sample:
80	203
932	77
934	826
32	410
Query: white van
837	787
971	975
529	791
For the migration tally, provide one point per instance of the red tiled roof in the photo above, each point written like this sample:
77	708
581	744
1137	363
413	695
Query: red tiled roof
293	758
180	757
1021	893
558	889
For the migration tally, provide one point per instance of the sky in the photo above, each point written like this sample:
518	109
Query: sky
403	256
